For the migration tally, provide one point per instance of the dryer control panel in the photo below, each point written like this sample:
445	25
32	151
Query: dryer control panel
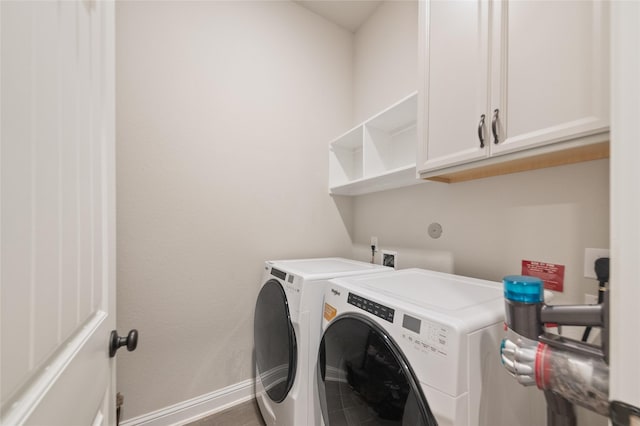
374	308
278	273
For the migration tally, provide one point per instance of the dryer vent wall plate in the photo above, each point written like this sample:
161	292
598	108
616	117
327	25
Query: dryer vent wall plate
435	230
389	258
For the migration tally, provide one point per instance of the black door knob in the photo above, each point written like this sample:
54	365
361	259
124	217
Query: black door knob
115	341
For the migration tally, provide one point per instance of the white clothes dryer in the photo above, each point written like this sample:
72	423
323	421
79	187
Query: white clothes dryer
418	347
287	326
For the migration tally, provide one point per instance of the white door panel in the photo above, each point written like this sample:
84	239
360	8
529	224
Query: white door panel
57	224
625	205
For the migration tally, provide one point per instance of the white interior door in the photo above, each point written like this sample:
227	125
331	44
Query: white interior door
625	204
58	222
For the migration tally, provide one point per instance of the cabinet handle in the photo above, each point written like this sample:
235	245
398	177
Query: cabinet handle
494	125
481	130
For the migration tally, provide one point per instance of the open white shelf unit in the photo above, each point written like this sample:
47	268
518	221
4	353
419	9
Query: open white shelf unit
378	154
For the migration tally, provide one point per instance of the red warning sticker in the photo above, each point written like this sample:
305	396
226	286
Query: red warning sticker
551	274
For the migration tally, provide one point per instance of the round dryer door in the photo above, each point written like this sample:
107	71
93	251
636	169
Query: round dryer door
363	378
275	341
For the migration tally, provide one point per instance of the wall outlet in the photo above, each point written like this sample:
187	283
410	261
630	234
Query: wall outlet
389	258
590	299
590	257
374	243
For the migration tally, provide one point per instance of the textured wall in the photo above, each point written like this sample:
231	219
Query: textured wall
224	110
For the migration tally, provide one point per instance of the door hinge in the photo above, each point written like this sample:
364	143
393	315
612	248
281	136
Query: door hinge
119	402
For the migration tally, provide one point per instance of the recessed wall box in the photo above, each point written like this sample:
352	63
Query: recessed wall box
389	258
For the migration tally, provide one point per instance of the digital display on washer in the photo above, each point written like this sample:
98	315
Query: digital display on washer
278	273
411	323
374	308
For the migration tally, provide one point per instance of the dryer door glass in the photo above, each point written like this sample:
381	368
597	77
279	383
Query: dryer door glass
363	378
275	341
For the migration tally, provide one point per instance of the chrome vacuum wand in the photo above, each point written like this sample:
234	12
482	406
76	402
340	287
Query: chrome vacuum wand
568	371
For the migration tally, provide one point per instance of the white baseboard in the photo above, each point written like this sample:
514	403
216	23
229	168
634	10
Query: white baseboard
196	408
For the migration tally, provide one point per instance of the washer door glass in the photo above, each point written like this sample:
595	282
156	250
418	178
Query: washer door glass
275	341
363	378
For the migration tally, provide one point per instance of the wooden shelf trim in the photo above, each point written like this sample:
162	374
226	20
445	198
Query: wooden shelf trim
568	156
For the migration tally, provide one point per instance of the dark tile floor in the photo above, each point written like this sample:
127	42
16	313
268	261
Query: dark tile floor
245	414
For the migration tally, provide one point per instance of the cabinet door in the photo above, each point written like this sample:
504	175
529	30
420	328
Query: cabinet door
550	62
453	91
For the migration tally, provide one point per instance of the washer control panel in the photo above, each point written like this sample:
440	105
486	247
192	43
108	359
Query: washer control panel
374	308
425	336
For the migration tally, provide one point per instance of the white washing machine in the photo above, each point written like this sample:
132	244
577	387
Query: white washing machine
287	326
418	347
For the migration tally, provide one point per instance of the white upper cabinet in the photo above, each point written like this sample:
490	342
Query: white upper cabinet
550	71
511	79
454	92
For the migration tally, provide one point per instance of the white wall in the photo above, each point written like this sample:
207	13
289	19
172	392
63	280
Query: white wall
490	225
385	58
224	110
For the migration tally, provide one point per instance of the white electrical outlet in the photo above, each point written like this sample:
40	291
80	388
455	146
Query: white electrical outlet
590	257
590	299
374	243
